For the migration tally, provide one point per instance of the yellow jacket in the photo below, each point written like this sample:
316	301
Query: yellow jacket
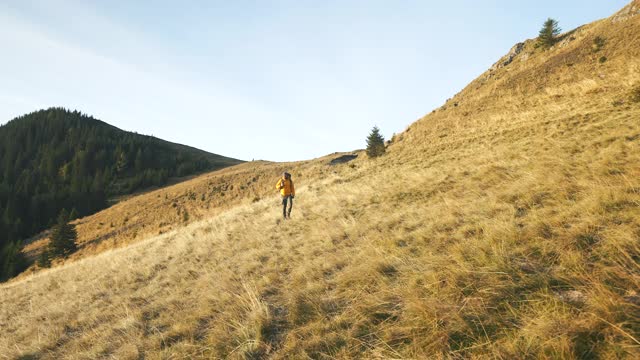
286	187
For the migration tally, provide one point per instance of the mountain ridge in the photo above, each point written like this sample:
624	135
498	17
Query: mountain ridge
58	159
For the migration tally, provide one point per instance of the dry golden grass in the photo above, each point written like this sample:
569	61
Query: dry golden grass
507	226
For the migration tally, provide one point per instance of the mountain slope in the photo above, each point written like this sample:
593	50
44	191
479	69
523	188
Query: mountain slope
55	159
506	226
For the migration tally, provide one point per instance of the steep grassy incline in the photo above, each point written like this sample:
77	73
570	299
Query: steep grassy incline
573	79
507	226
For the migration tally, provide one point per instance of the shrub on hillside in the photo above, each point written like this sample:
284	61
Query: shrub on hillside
548	34
598	43
375	143
618	102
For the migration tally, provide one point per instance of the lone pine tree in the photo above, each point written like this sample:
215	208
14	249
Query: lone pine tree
375	143
63	237
548	34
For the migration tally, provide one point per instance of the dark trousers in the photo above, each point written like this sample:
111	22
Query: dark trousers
286	199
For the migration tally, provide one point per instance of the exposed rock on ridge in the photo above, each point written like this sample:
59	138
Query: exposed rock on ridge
508	59
627	12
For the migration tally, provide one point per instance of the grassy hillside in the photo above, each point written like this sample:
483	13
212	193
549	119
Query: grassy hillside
505	224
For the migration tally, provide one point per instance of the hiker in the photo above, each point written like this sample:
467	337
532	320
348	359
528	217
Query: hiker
288	192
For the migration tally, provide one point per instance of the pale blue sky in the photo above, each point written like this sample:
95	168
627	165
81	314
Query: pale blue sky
274	80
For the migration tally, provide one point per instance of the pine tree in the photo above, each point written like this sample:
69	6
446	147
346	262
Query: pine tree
74	214
548	34
12	260
122	163
63	237
139	161
44	260
375	143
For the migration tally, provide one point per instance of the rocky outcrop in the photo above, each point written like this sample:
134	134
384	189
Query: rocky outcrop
508	59
627	12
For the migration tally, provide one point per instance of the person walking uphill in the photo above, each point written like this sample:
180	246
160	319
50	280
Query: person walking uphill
288	192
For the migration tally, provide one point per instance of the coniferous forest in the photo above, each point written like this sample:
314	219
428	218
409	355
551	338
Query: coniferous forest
54	160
